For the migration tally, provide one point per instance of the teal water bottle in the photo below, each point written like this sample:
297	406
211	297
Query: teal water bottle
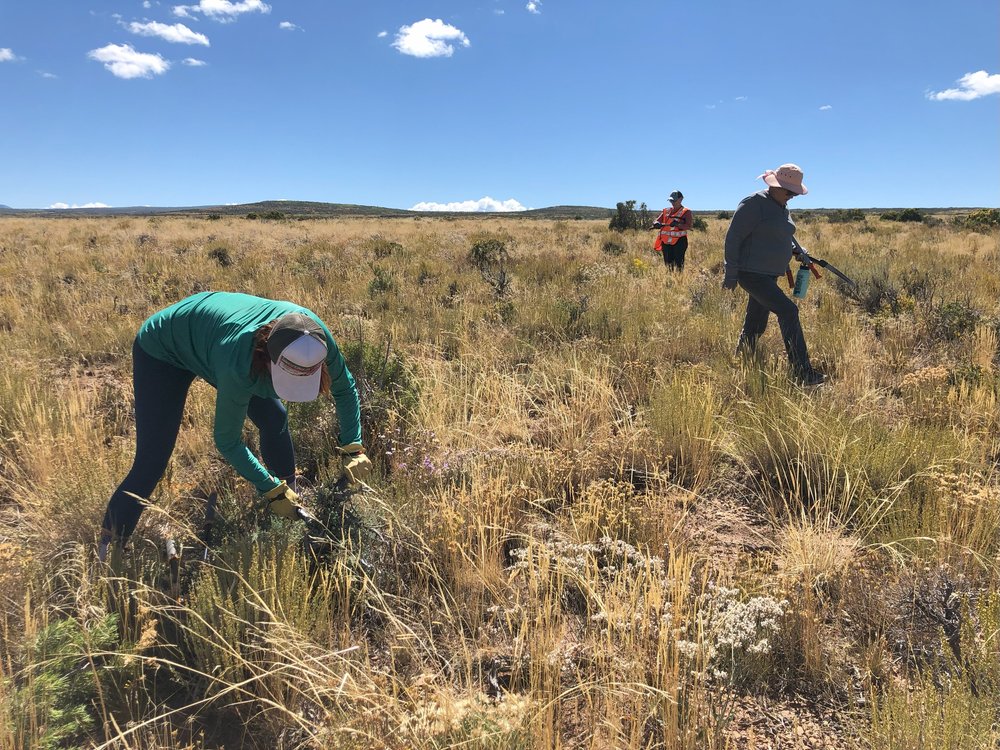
801	283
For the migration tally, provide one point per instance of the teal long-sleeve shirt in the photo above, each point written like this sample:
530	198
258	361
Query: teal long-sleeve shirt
211	334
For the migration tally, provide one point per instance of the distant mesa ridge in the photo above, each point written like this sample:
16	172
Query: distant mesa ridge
307	208
316	209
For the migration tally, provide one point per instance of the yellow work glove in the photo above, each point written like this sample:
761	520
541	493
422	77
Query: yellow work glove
356	465
282	501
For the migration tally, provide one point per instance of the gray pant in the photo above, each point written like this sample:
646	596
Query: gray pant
766	298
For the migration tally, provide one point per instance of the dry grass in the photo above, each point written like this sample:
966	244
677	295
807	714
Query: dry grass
544	569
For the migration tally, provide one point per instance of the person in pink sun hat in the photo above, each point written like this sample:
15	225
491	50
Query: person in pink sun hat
759	245
787	178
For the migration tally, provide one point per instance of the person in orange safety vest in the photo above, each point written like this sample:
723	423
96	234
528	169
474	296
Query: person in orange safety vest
674	223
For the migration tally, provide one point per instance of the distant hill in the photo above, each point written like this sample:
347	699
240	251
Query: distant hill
3	206
311	209
569	212
314	209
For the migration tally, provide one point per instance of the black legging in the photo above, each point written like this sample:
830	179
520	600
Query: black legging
160	393
673	255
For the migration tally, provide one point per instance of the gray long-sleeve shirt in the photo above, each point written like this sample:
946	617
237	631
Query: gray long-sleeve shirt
761	237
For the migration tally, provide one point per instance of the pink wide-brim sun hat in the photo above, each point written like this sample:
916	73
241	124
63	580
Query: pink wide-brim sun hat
787	176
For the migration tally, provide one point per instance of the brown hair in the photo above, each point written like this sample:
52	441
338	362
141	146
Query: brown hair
260	360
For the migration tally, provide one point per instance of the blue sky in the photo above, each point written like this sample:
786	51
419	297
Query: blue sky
495	103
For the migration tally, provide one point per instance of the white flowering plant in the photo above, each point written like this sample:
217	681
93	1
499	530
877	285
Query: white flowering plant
733	635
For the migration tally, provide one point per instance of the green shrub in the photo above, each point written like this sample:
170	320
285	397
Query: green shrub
983	218
221	256
844	216
386	384
879	295
490	255
724	216
625	217
489	251
919	283
505	310
56	704
952	320
382	370
700	225
573	315
645	219
381	248
382	283
974	375
907	214
610	247
449	298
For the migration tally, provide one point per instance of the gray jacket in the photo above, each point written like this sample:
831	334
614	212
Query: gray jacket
761	237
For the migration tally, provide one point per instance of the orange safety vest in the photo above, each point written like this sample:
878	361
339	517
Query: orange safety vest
669	235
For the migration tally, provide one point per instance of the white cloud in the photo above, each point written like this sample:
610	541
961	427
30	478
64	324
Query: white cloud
222	11
288	26
429	38
534	6
85	205
486	204
826	108
7	54
178	33
740	99
124	62
971	86
193	62
46	74
146	4
383	34
499	11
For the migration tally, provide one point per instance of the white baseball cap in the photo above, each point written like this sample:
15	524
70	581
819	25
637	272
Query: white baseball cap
297	348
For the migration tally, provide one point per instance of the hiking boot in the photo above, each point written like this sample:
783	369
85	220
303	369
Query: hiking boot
811	378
